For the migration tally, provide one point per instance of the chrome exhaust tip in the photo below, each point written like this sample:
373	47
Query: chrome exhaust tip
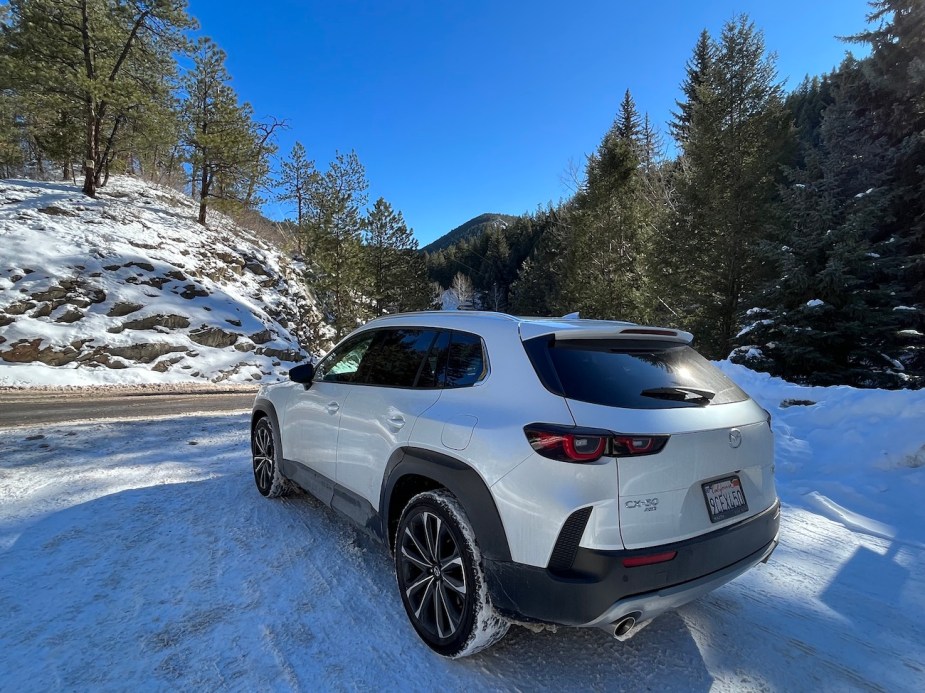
623	626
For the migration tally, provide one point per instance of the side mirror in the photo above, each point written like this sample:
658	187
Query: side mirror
302	373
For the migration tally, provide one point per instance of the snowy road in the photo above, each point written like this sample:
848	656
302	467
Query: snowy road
138	555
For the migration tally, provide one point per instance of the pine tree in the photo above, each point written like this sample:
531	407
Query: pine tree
696	71
219	132
297	178
396	271
334	220
101	60
731	151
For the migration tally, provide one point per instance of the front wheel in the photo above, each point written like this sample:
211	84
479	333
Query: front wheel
440	577
269	479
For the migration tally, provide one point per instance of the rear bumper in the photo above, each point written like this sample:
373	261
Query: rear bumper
597	590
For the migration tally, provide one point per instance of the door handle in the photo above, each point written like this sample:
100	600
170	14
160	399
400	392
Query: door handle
396	421
333	407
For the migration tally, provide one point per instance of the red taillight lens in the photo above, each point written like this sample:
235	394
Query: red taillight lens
625	445
636	561
566	446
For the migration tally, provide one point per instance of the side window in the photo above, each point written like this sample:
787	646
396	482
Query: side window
341	365
466	363
395	357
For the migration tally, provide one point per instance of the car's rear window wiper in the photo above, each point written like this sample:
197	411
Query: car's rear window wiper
679	393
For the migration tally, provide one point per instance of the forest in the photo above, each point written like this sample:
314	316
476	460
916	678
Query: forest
786	230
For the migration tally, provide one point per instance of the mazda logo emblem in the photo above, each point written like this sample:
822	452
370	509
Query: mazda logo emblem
735	438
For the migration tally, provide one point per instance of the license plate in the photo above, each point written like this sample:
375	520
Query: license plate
725	498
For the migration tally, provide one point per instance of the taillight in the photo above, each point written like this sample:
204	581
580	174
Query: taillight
565	444
626	445
650	559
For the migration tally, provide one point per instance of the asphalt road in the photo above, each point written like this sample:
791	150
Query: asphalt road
22	408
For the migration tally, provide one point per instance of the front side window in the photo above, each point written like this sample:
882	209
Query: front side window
341	365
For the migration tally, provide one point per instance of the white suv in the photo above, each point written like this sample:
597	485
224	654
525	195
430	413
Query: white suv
575	472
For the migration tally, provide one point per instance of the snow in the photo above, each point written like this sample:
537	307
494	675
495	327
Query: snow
815	303
139	244
139	556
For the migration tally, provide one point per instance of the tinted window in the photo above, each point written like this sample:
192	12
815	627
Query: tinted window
465	364
432	370
632	374
395	357
340	366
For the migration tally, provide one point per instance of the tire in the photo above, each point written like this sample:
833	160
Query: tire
440	577
265	451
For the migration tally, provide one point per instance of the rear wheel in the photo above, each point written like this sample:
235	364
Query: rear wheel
440	577
270	481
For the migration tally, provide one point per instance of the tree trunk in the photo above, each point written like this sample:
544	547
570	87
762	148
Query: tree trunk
92	146
203	193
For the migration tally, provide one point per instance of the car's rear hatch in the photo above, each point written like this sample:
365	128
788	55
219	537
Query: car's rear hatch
703	452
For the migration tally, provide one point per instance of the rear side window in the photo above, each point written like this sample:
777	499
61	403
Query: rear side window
395	357
634	374
465	363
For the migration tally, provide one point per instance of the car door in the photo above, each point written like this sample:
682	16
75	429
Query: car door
314	413
398	382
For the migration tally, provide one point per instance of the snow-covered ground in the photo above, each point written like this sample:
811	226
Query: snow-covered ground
139	555
129	289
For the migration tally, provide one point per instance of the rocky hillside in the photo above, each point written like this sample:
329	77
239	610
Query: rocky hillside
474	227
129	289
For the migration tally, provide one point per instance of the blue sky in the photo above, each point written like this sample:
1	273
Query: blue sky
459	108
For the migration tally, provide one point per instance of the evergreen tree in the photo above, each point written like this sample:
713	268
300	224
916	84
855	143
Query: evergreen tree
218	130
333	216
731	148
101	60
396	271
297	178
696	72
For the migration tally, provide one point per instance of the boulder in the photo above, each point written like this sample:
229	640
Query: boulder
262	337
55	211
152	321
145	352
123	308
20	307
281	354
213	337
70	315
191	291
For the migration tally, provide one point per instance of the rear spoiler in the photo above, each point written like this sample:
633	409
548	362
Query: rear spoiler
613	331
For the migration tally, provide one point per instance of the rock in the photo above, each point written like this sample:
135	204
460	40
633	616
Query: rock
43	311
262	337
191	291
213	337
112	268
232	321
6	320
246	345
169	321
145	352
70	315
145	246
123	308
54	211
176	275
281	354
115	329
19	307
55	292
147	266
25	351
254	266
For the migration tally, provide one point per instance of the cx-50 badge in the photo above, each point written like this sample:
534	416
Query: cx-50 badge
649	504
735	438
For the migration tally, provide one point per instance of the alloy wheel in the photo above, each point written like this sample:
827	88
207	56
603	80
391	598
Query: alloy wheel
434	578
264	459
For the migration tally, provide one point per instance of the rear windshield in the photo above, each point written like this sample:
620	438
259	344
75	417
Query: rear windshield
634	374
